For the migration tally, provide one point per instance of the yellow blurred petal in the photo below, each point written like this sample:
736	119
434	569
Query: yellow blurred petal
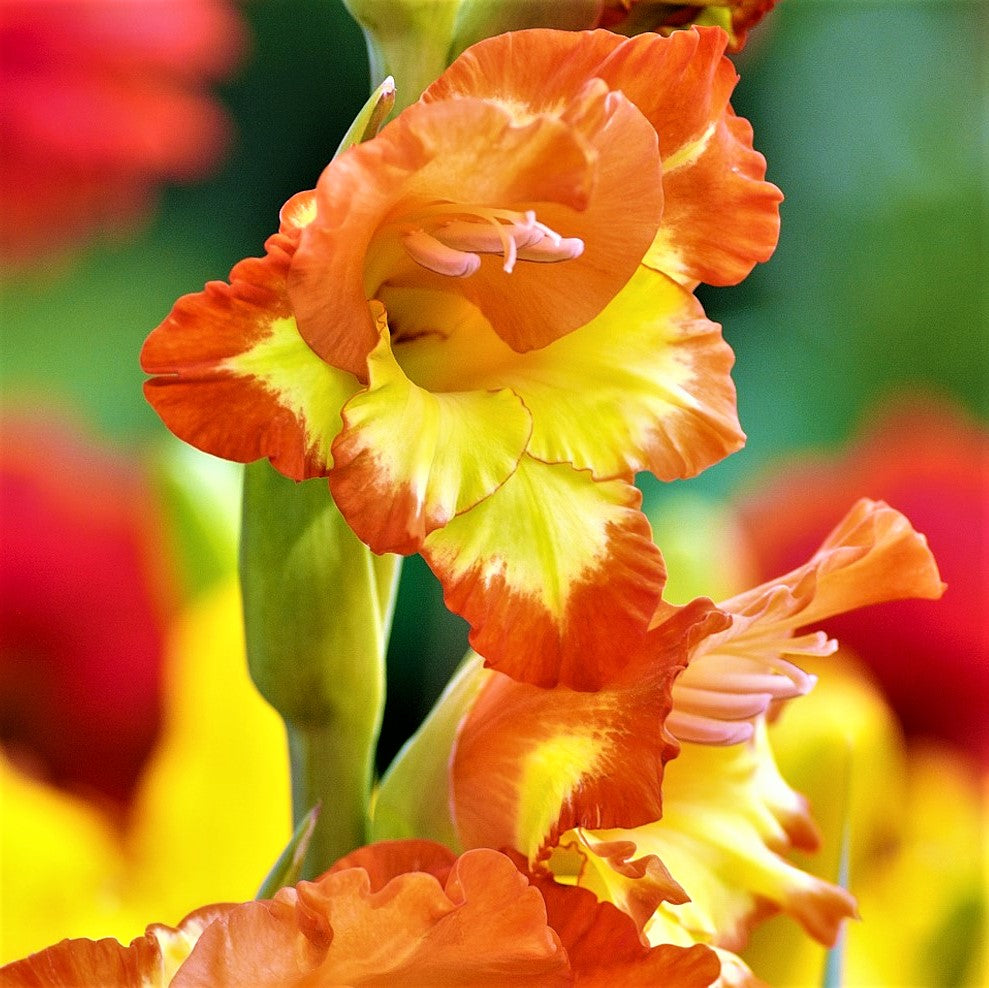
62	868
213	812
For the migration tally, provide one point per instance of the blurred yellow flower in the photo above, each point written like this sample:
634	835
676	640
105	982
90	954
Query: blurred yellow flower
916	826
209	819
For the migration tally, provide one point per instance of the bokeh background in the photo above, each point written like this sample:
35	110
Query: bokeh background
874	118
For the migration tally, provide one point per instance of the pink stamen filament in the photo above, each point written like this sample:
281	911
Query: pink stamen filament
453	247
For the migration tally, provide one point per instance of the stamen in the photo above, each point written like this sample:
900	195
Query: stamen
438	257
445	247
566	249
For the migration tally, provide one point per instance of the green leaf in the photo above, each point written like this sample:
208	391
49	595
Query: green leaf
288	868
369	121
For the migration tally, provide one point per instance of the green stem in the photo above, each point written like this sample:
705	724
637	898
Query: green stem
317	608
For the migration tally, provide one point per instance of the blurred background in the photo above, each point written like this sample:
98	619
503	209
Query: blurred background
874	118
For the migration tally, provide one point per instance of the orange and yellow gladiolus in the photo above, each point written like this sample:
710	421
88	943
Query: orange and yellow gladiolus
480	326
573	780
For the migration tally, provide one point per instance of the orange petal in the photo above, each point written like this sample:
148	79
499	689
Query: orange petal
556	573
605	949
234	378
484	925
872	555
151	959
591	175
407	460
530	763
72	963
719	216
387	859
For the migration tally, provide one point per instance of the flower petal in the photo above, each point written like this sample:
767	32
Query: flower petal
71	963
556	573
485	925
590	174
719	216
530	763
612	871
728	818
408	460
605	949
234	378
644	386
734	677
149	960
872	555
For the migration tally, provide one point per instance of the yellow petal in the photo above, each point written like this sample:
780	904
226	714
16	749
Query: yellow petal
556	573
408	460
644	386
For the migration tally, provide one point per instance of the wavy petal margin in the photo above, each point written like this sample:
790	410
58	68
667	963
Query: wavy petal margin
151	959
644	386
485	924
605	949
234	378
530	763
871	556
719	217
408	461
556	573
729	819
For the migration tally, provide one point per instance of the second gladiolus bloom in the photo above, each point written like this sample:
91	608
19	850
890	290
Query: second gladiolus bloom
480	325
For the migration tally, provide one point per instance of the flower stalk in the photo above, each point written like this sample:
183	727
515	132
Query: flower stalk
317	611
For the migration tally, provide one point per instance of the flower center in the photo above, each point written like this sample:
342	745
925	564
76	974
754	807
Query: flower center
449	239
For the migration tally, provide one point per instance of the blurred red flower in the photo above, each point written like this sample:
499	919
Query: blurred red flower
930	461
85	595
100	100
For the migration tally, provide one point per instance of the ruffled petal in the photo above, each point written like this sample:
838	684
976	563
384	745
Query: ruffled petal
872	555
407	460
149	961
644	386
605	949
615	872
484	925
234	378
71	963
719	216
530	763
593	176
728	819
556	573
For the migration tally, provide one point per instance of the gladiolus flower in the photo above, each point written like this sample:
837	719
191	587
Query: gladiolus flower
932	460
100	100
480	326
408	913
550	773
